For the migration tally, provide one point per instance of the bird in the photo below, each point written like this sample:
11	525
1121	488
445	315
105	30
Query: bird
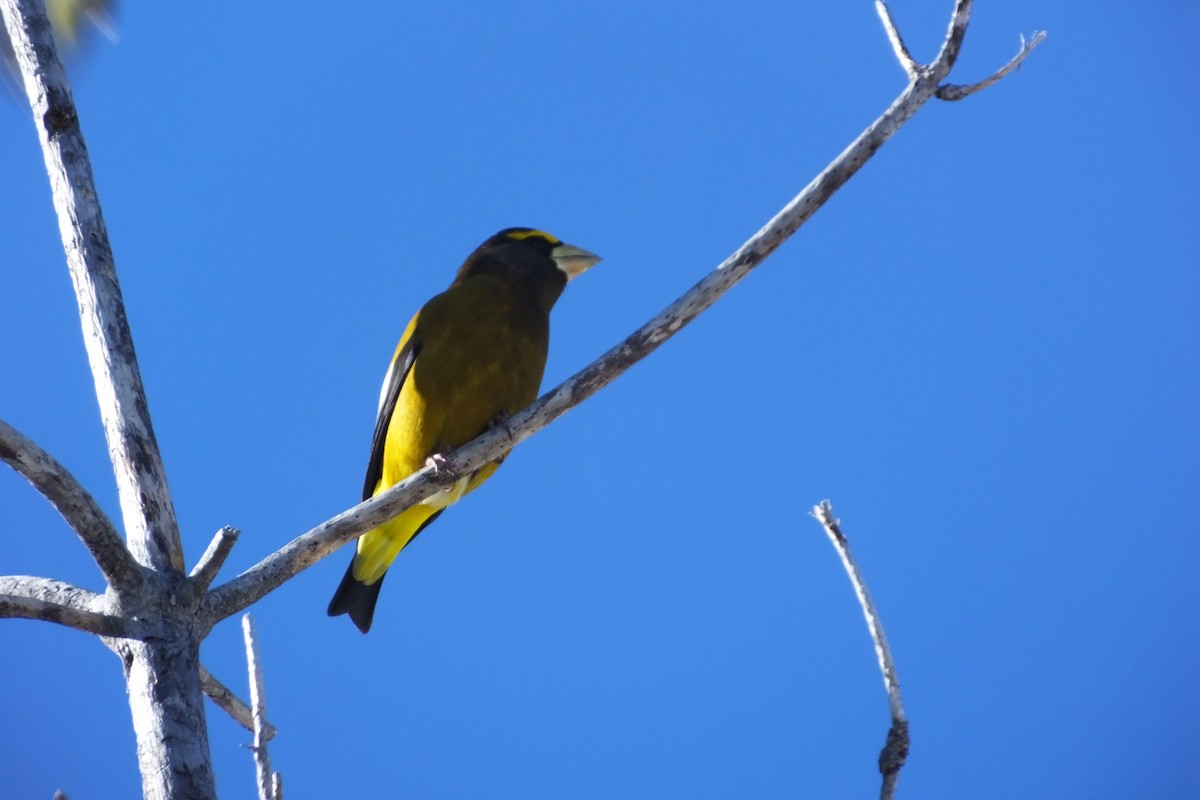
469	358
68	19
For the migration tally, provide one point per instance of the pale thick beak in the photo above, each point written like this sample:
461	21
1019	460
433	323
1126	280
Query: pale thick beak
572	260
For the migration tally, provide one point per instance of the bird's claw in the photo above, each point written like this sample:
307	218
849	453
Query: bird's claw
440	464
501	421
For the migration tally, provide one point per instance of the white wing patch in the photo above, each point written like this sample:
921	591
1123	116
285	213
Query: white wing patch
383	391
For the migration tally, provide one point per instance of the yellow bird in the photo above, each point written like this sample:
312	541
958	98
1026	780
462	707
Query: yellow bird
471	356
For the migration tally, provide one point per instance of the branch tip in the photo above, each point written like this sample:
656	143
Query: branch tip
214	557
951	92
911	68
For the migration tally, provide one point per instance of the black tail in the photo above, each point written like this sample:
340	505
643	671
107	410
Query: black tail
356	599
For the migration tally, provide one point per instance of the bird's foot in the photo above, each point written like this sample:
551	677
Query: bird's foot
440	461
501	421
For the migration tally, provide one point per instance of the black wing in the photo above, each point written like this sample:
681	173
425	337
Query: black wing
397	372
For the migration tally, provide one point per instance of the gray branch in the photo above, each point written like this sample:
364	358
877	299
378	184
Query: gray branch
952	91
77	507
309	548
210	563
305	550
268	781
895	750
907	62
27	597
230	703
141	481
950	48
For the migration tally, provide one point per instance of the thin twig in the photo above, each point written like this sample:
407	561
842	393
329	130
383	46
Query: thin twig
210	563
28	597
258	712
953	92
895	751
77	507
307	549
146	506
898	47
230	703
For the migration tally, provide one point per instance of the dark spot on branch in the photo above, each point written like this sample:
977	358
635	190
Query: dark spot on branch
895	751
126	660
60	117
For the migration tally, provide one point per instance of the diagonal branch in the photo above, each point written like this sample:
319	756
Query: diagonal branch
309	548
230	703
27	597
77	507
141	481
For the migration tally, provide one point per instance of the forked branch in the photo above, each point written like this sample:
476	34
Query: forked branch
949	51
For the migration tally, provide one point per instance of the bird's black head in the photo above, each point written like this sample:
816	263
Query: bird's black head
531	259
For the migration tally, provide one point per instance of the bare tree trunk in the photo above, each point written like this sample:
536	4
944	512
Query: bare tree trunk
162	677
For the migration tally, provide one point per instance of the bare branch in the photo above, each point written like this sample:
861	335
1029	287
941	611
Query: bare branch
258	703
898	47
141	481
952	91
952	44
77	507
28	597
230	703
314	545
309	548
210	563
895	751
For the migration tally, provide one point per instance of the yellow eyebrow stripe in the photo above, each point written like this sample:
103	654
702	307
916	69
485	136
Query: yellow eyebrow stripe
522	235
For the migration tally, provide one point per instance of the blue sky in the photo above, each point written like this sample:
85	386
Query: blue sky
983	350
